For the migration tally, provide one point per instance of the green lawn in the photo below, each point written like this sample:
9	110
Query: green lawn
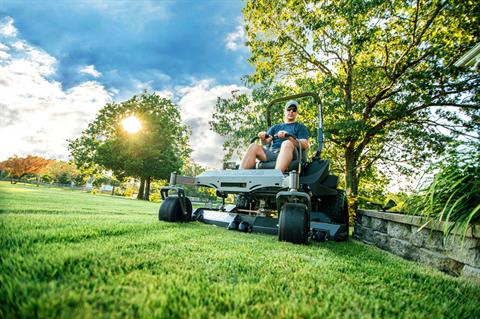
75	255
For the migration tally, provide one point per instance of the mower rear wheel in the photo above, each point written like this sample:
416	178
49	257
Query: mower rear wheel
294	223
171	210
336	207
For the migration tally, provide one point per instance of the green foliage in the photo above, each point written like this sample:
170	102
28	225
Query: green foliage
62	172
129	192
46	179
454	193
157	149
154	197
105	180
71	254
384	70
242	116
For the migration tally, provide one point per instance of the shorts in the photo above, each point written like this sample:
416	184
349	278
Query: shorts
272	154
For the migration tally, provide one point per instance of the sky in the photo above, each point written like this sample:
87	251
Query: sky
62	61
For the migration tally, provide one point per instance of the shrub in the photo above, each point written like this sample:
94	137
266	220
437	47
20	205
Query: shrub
454	193
129	192
46	179
155	197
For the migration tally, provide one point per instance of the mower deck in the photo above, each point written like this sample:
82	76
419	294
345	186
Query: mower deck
321	227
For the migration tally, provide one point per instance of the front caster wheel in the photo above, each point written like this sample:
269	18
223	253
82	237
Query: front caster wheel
171	210
294	223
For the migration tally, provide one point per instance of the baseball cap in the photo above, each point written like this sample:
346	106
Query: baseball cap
291	105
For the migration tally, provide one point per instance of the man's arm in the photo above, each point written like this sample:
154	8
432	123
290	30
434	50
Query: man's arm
303	136
303	142
264	140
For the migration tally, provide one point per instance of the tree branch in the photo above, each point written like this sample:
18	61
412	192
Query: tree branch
396	75
302	50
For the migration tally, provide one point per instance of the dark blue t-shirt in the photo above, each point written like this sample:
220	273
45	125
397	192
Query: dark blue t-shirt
297	129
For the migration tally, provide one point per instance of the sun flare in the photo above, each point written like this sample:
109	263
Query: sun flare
131	124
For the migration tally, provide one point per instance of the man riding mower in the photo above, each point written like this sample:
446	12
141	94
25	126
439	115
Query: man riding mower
284	195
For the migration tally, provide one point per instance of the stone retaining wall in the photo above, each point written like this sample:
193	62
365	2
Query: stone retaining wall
404	236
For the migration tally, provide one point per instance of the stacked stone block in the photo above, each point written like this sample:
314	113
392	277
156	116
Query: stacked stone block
408	237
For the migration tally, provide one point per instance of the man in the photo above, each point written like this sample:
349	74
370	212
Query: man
283	148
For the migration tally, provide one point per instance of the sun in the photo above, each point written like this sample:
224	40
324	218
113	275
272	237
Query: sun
131	124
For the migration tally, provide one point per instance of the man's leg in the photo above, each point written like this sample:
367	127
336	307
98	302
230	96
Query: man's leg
285	156
254	151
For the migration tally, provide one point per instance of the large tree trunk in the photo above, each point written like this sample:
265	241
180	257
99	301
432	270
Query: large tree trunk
351	182
141	189
147	189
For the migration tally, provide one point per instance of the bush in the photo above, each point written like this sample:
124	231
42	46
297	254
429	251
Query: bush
64	179
155	197
128	192
119	191
46	179
454	193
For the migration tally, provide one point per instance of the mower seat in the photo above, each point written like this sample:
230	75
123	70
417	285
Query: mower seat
293	164
271	165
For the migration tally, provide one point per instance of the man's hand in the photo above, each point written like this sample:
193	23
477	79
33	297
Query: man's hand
264	138
282	134
262	135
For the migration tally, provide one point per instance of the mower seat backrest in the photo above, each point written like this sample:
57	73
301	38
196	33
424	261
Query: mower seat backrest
315	172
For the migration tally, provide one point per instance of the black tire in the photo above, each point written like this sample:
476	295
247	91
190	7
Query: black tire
336	207
343	208
171	210
343	216
294	224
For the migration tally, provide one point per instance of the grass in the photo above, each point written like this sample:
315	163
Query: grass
75	255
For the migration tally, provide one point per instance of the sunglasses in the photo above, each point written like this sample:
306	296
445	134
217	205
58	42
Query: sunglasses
291	109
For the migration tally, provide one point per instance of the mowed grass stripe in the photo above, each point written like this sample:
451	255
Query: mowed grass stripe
119	261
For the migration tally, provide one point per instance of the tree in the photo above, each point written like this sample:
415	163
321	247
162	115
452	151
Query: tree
243	115
382	68
157	149
21	166
62	172
107	180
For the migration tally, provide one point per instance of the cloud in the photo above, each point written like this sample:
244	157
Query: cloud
197	103
90	70
7	28
162	44
3	52
37	115
235	40
40	110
